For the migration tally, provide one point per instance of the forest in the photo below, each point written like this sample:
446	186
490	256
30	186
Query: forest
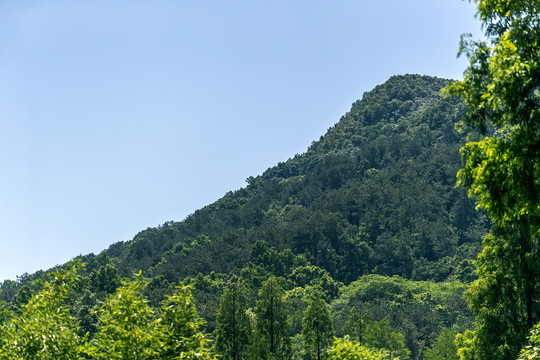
409	230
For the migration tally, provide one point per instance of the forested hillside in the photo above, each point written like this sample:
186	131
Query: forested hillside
376	194
368	220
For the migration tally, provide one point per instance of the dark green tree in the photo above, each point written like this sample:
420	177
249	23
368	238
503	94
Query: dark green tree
233	322
272	323
105	279
317	327
24	294
501	169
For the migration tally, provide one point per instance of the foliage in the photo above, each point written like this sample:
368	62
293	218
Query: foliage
501	169
233	323
532	350
501	92
127	328
379	335
444	347
317	327
179	328
130	329
44	329
345	349
418	310
272	323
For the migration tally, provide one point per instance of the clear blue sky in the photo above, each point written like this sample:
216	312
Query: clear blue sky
116	116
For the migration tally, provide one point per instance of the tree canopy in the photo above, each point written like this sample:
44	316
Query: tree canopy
501	169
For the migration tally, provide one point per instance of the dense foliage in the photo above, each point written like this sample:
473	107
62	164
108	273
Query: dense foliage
501	169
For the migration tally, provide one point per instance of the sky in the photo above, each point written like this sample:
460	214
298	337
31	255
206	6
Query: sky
116	116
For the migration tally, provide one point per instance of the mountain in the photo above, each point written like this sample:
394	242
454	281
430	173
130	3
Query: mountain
375	194
370	208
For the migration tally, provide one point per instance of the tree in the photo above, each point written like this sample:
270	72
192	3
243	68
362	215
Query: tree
345	349
355	325
44	329
233	322
444	347
532	350
317	326
503	297
105	279
179	328
127	326
272	323
500	89
379	335
501	169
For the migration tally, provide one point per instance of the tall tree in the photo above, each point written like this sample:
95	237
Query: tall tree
272	323
317	326
233	322
501	169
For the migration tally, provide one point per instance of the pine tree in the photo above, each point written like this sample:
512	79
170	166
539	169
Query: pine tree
233	323
317	327
272	329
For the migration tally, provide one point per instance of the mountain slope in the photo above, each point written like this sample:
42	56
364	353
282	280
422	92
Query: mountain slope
375	194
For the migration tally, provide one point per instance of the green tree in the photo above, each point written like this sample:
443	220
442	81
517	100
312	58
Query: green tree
5	313
233	322
345	349
379	335
504	297
444	347
105	279
317	326
179	330
355	325
127	327
44	329
532	350
501	169
272	323
23	296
